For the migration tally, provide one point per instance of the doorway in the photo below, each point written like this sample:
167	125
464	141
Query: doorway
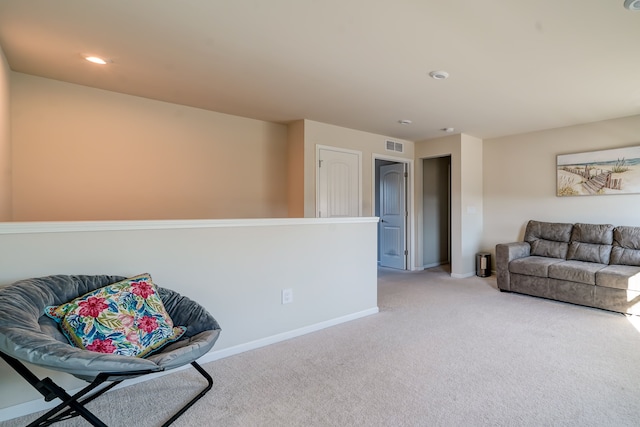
436	211
391	206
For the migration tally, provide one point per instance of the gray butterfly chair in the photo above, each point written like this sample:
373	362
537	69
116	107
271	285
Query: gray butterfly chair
26	335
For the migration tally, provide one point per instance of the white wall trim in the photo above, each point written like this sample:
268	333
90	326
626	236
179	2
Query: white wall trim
263	342
434	264
40	405
462	276
79	226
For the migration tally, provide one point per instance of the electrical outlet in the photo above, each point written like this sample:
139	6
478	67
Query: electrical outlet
287	296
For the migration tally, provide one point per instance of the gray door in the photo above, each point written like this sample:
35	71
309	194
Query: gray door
393	216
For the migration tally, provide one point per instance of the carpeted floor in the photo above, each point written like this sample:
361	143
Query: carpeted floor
441	352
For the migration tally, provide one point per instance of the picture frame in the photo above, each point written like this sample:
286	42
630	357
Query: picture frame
604	172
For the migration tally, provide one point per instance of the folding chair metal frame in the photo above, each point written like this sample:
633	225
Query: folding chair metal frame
73	406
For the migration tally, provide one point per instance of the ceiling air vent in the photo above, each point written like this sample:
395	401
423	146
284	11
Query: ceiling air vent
395	146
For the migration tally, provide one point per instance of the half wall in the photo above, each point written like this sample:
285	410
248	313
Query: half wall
237	269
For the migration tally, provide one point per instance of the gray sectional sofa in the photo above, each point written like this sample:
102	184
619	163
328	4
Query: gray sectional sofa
596	265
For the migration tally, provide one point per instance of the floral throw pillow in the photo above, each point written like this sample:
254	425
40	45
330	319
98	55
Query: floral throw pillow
125	318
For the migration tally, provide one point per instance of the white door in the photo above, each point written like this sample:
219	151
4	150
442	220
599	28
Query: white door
393	216
339	188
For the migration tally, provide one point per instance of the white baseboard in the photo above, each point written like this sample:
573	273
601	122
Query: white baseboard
434	264
30	407
263	342
462	276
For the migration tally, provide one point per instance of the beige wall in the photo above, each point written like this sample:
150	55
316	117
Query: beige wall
87	154
369	144
520	179
295	162
5	140
471	202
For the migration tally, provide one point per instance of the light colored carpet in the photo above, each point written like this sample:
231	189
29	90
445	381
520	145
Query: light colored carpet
441	352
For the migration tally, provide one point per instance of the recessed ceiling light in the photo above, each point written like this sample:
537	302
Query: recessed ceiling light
405	122
441	75
449	130
632	4
97	60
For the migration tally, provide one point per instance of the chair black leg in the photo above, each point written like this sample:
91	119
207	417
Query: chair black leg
195	399
51	390
73	406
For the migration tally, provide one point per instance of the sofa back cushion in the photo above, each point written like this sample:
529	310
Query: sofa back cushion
548	239
591	243
599	234
626	246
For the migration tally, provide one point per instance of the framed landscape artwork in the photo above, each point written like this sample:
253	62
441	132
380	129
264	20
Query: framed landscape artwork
615	171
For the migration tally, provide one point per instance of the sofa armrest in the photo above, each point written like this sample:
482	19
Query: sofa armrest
505	253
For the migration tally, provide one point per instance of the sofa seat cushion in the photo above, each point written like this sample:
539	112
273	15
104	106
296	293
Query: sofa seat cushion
533	265
619	277
576	271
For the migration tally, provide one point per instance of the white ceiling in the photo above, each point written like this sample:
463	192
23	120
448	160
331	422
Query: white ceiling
515	65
